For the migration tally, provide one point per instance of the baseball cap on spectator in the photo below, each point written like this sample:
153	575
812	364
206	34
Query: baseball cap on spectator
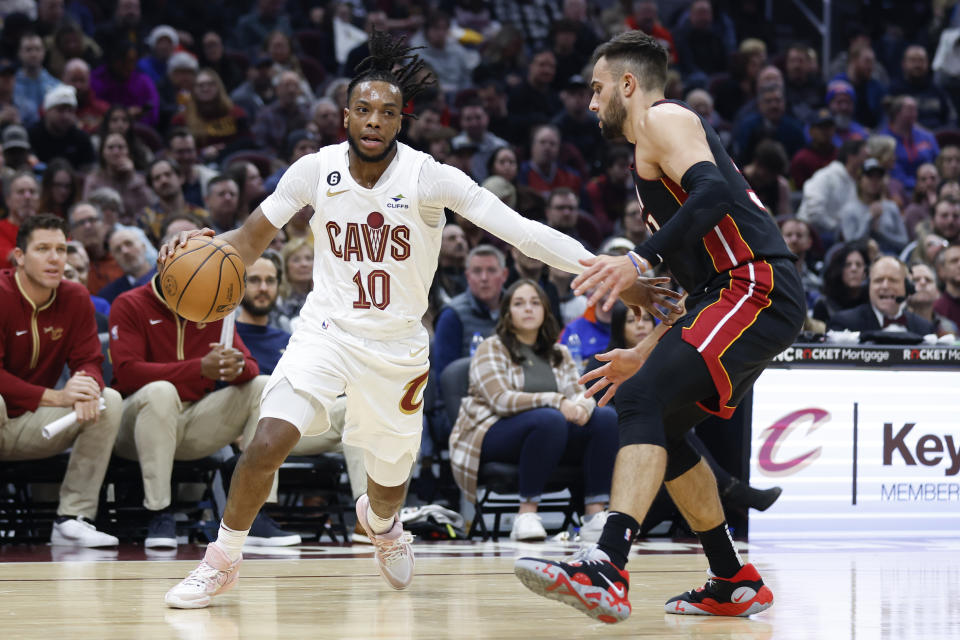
616	246
575	82
7	66
501	187
182	60
62	94
822	117
840	86
872	165
15	137
163	31
295	137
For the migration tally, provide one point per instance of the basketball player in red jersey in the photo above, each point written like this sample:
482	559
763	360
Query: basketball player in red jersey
745	306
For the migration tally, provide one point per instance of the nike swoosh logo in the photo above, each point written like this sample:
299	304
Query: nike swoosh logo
739	597
20	333
156	321
330	193
620	592
414	354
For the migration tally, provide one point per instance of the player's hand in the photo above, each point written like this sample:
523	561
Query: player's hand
231	364
79	388
607	276
87	409
647	293
169	248
621	365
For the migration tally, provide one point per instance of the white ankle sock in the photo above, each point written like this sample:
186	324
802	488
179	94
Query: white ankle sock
378	524
231	541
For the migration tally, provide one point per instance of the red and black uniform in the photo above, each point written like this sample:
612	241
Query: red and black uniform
745	304
149	342
37	341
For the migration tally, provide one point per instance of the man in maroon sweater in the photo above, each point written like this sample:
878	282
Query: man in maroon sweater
185	398
48	322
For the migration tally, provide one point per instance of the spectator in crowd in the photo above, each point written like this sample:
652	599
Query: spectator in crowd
193	173
32	80
523	267
475	311
257	318
449	60
35	294
90	108
535	102
770	121
701	49
948	162
869	92
417	131
223	204
841	100
253	28
765	175
576	124
279	48
474	123
494	96
883	148
183	400
592	329
925	295
299	143
164	178
21	196
645	18
735	89
128	249
563	213
69	42
212	56
17	154
88	227
632	226
610	191
830	188
283	115
117	120
915	145
297	256
534	18
843	282
934	110
257	91
14	108
543	172
127	25
249	185
946	215
796	233
924	198
58	188
570	59
163	41
212	117
526	407
819	151
871	215
948	270
118	81
176	86
702	102
887	303
802	84
326	122
117	171
78	268
56	135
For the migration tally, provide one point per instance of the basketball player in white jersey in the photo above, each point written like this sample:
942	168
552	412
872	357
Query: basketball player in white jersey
377	226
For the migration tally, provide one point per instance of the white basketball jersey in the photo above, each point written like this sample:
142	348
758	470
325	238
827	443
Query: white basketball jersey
374	256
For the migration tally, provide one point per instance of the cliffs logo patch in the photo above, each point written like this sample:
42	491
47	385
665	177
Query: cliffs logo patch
398	197
397	202
412	398
333	178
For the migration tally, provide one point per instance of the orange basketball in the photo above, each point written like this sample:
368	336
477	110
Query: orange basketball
203	282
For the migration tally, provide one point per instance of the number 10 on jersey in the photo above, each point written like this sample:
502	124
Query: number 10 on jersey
375	292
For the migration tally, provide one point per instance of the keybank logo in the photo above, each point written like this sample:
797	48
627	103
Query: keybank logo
776	435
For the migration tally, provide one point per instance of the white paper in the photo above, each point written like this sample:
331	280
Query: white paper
60	424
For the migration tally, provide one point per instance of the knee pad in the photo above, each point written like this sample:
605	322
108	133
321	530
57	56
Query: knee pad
681	457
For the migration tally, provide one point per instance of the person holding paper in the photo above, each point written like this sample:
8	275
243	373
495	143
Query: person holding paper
48	322
186	396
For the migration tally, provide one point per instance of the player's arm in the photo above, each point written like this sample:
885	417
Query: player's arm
253	238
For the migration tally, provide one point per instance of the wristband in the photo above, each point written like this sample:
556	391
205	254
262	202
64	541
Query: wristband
634	258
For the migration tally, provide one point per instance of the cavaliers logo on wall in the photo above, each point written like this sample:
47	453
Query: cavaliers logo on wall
774	436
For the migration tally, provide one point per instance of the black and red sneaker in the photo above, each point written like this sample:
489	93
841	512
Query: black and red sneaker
588	582
742	595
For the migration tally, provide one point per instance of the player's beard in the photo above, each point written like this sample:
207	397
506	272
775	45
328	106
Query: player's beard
612	124
387	150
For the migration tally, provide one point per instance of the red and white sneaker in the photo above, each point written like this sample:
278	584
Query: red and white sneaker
589	582
393	549
215	575
742	595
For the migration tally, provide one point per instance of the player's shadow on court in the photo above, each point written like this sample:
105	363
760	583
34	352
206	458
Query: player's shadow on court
719	628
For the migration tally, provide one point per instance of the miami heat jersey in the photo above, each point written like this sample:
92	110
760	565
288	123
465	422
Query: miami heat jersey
746	233
367	277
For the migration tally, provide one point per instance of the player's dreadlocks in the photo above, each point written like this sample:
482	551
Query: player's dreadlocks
390	60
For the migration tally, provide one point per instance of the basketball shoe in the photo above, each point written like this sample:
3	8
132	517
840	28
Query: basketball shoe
215	575
588	582
742	595
393	549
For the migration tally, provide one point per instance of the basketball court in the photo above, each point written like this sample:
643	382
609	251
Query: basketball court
900	589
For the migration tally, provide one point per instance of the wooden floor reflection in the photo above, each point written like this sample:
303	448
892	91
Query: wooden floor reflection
839	591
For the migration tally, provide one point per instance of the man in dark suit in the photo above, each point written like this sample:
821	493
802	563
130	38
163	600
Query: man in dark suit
888	293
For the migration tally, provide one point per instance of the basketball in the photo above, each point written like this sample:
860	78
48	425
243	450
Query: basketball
203	282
